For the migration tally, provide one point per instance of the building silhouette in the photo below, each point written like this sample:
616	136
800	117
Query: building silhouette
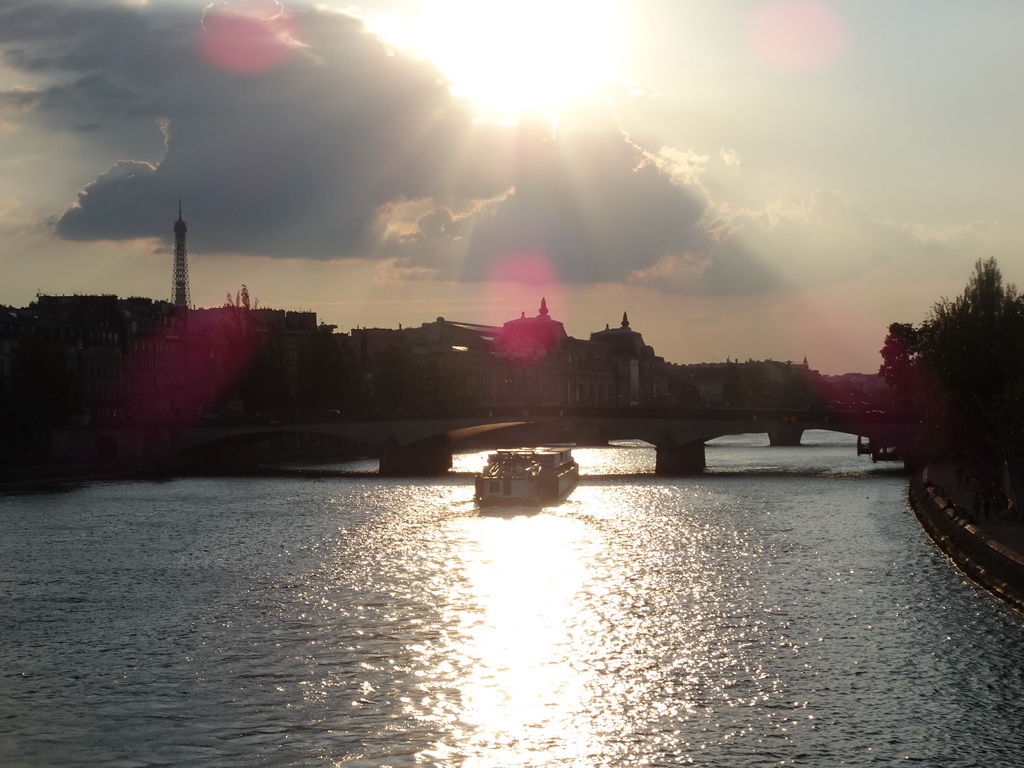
530	360
140	358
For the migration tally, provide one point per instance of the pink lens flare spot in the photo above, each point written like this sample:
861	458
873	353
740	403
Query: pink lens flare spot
516	285
529	268
797	36
247	38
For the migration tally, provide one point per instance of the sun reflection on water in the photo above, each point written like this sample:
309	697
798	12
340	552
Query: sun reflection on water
720	621
519	688
608	630
556	647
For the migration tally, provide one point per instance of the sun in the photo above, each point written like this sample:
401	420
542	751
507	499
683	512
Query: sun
526	56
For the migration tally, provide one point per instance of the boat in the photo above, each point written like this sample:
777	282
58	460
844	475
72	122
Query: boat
527	476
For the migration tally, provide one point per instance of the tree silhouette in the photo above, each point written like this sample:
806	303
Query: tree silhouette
399	379
328	377
962	370
900	365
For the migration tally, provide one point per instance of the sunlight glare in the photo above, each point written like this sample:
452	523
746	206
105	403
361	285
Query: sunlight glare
527	576
529	56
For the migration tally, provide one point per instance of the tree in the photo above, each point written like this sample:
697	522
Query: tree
900	364
328	377
446	381
399	379
973	342
264	385
241	300
254	358
962	369
974	345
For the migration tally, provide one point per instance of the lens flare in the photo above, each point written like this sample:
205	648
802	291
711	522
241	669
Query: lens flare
516	283
528	268
247	37
798	36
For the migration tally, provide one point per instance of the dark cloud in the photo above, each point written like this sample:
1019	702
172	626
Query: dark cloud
586	206
589	203
46	37
318	149
91	100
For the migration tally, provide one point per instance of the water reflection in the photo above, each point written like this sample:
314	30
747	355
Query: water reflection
604	631
741	619
594	633
512	632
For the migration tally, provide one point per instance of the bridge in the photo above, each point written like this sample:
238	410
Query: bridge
422	444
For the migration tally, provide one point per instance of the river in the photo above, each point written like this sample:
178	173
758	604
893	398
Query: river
785	608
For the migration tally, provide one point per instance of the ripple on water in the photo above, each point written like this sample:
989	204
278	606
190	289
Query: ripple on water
791	617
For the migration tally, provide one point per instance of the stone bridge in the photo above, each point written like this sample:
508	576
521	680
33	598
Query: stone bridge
423	443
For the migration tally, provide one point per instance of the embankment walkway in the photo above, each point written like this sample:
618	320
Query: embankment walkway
987	547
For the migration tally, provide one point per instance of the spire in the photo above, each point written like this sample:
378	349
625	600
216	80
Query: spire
179	225
179	289
625	320
543	306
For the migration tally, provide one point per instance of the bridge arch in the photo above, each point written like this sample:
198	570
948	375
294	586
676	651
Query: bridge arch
668	429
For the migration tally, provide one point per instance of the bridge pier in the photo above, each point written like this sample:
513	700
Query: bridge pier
672	459
785	434
429	457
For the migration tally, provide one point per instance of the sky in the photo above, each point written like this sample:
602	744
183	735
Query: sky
747	179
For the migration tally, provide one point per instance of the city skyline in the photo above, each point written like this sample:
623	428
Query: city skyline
751	180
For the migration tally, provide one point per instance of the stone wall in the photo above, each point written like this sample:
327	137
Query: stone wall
987	561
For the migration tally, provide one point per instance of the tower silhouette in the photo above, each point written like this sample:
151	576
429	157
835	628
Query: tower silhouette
180	294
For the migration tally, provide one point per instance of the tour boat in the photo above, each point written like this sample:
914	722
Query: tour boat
527	476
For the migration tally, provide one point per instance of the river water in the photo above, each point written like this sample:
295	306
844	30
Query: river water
785	608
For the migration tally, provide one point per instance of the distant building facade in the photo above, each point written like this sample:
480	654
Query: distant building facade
139	358
529	360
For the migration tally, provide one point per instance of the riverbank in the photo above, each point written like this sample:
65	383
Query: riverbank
988	547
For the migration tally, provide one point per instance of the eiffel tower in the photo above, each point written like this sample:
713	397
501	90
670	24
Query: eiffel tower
180	295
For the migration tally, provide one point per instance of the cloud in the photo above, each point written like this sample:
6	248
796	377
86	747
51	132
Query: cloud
729	157
46	37
319	143
295	159
298	134
585	205
7	206
591	203
826	238
128	184
685	166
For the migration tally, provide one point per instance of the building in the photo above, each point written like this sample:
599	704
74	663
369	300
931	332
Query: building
527	361
754	383
641	377
140	358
